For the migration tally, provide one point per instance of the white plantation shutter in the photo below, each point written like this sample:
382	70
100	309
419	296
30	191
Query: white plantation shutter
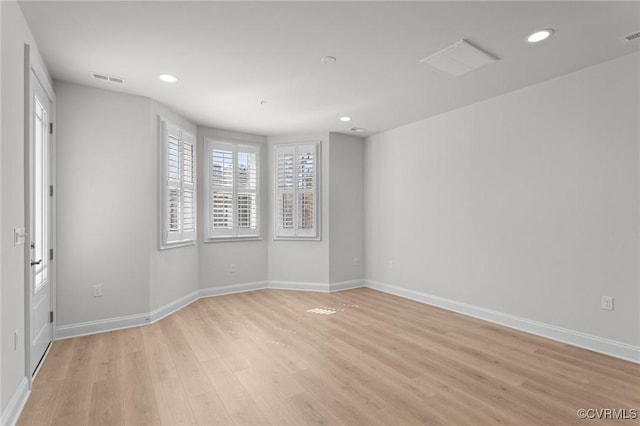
233	190
296	206
221	190
285	191
188	187
247	190
179	185
173	188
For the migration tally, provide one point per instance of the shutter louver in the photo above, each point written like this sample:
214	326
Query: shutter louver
174	210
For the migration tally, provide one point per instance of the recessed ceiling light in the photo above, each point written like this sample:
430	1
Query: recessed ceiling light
328	60
168	78
345	118
540	35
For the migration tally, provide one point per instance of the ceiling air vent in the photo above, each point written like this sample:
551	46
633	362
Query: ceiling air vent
459	58
633	36
105	77
100	76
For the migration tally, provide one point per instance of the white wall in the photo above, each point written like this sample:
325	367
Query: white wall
301	261
346	207
249	257
331	259
104	164
173	273
527	203
15	33
109	195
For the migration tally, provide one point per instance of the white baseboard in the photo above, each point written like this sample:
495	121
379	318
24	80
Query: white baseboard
231	289
346	285
119	323
321	287
564	335
171	307
100	326
299	286
16	404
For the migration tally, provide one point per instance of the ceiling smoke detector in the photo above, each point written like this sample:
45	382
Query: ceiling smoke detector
328	60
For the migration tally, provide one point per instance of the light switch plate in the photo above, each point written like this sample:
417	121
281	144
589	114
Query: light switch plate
19	236
606	303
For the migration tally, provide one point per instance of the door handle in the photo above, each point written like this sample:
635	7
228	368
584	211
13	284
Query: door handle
37	262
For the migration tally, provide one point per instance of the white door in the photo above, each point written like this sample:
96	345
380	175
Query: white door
40	223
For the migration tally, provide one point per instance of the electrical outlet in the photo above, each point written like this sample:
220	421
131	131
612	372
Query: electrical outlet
16	333
356	261
232	268
606	303
97	290
392	265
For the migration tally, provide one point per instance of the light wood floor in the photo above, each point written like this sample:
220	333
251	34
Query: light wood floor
260	358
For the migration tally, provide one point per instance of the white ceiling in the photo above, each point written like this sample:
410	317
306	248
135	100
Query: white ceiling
230	55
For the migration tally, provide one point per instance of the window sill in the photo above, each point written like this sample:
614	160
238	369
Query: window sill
231	239
177	245
297	238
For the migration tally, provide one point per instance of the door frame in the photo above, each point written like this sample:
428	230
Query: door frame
33	66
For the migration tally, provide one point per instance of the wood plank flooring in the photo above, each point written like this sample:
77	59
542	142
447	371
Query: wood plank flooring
260	358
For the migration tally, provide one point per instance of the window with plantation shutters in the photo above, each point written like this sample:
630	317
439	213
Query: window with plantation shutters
178	186
296	193
233	197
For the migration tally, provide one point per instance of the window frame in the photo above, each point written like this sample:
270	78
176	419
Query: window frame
235	233
169	129
298	234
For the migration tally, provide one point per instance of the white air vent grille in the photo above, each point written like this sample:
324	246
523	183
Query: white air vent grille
633	36
459	58
105	77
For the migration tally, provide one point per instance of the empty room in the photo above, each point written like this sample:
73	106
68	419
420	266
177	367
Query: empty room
319	212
